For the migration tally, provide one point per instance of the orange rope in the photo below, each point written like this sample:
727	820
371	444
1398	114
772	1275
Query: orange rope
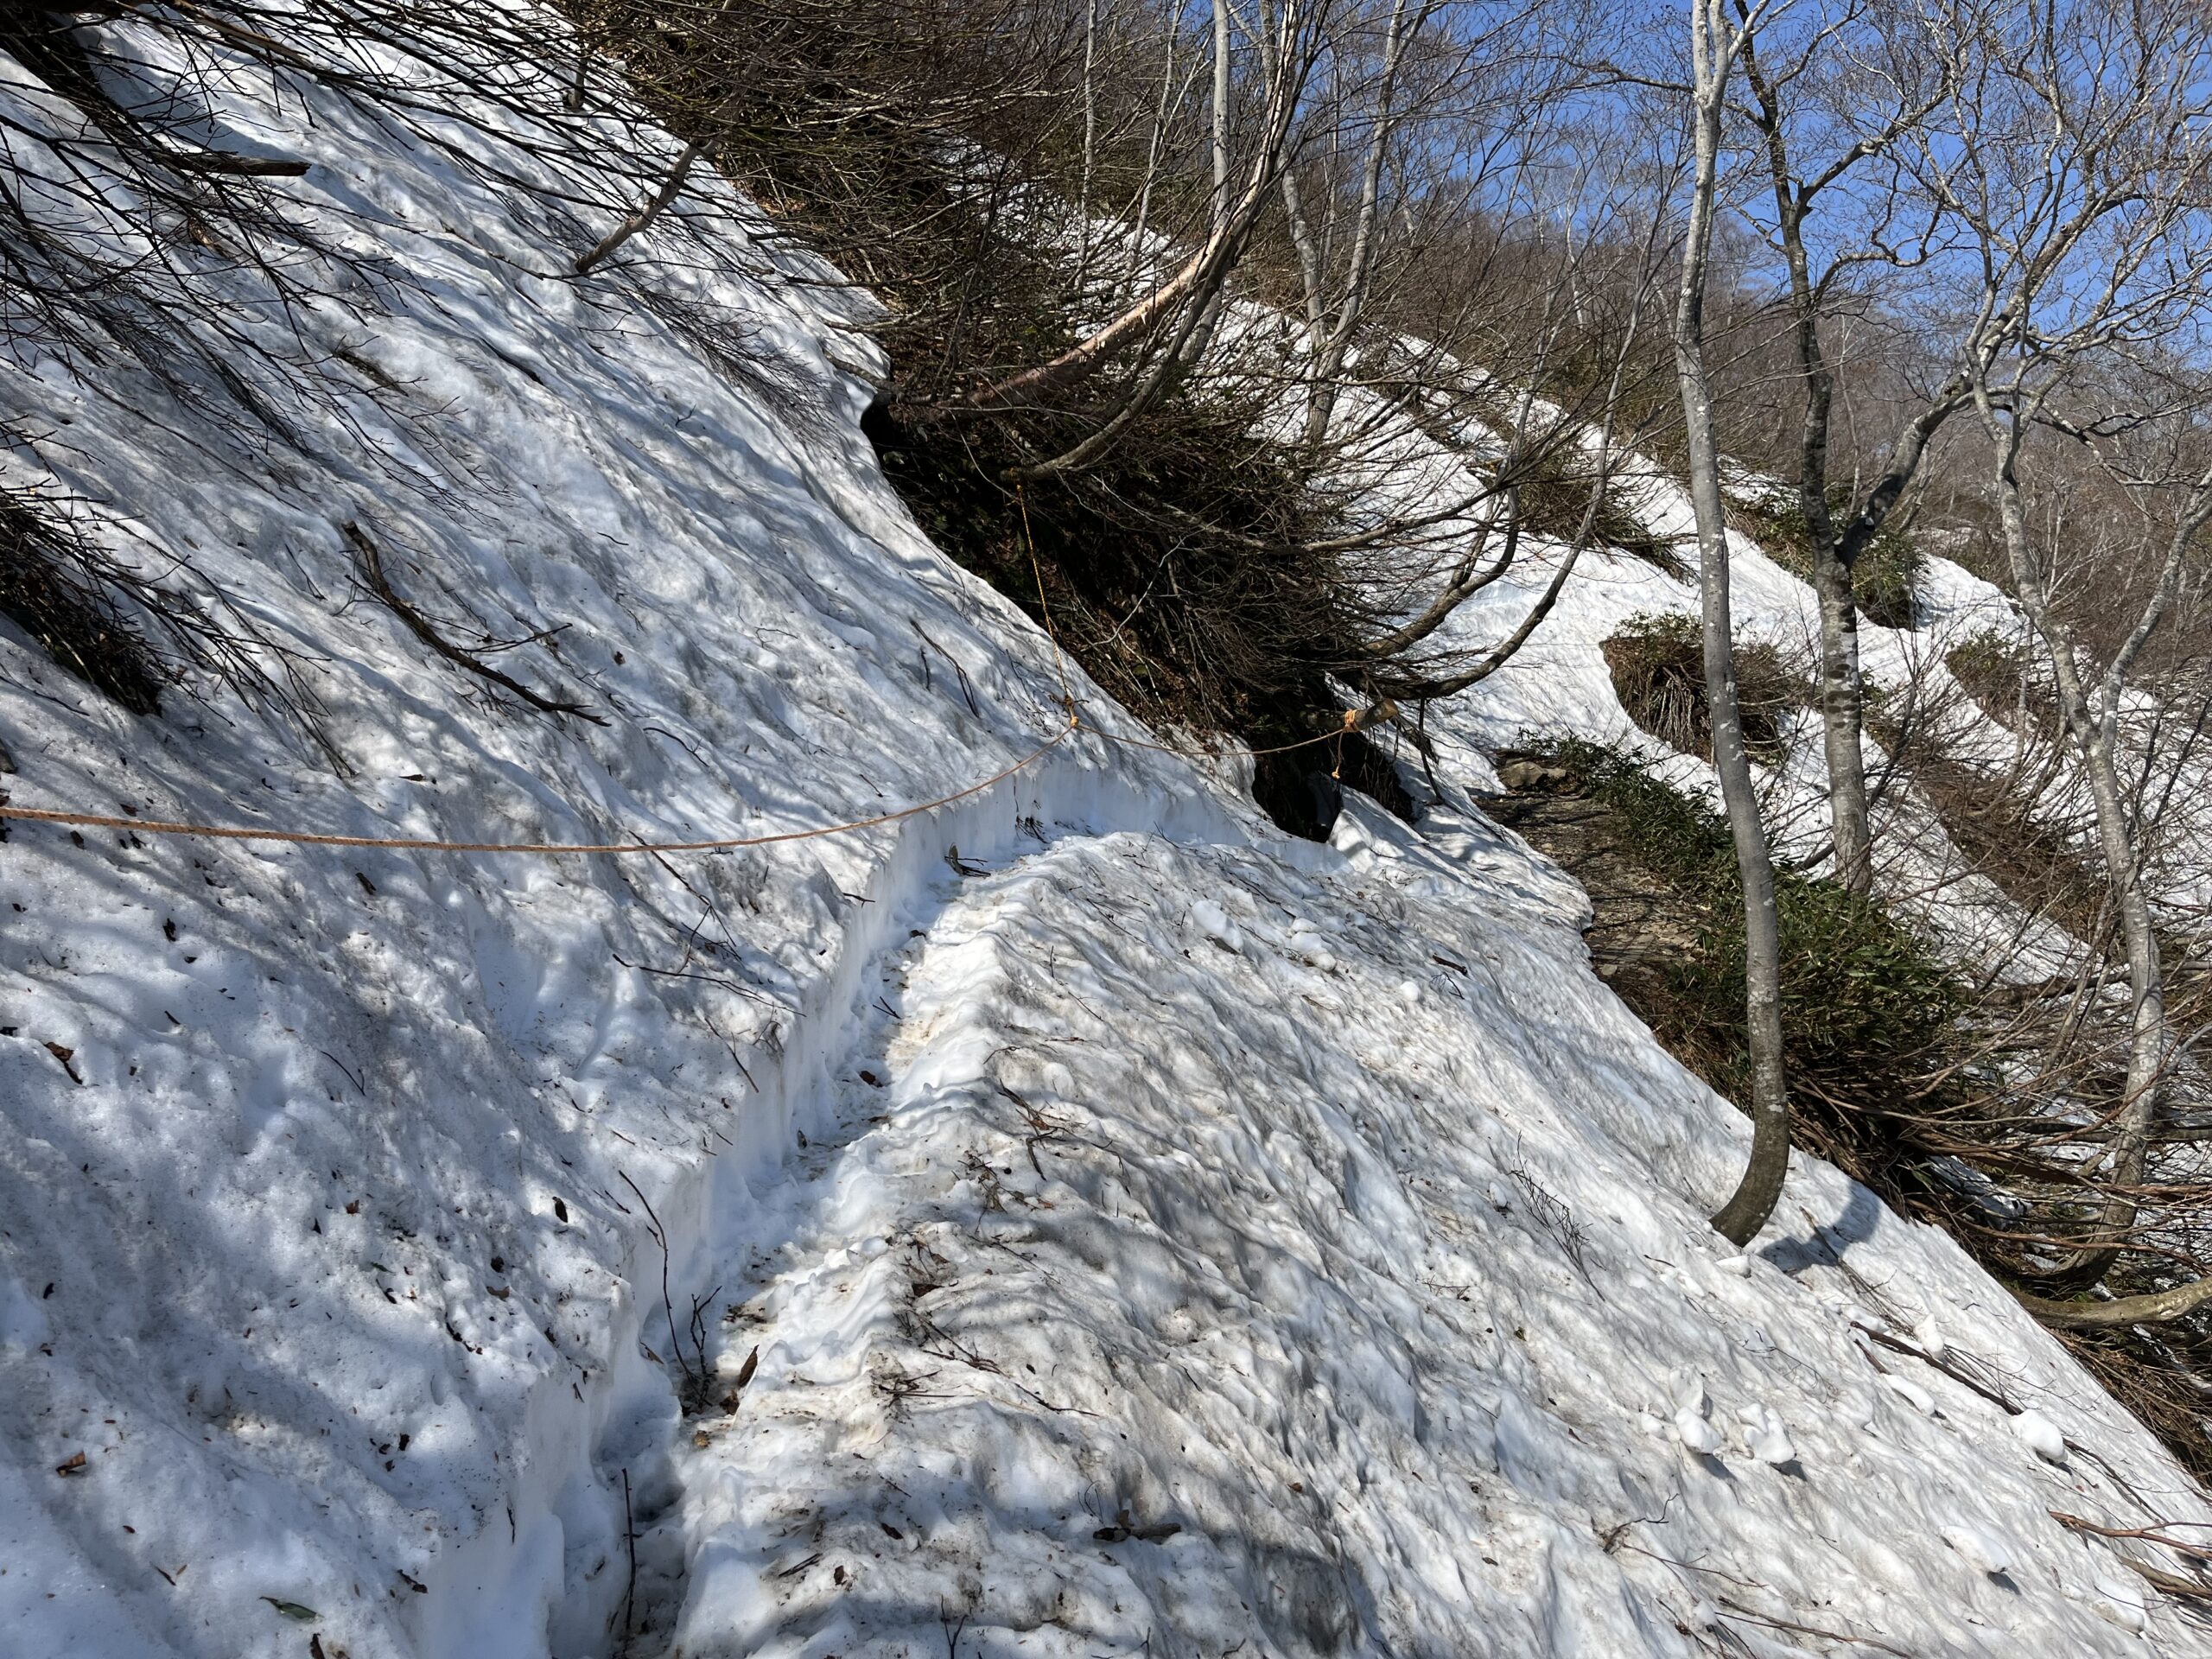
726	843
1043	605
1212	754
409	844
536	849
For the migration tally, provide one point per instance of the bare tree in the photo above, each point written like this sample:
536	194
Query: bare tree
1532	443
1335	301
1829	121
1167	326
1717	44
2077	164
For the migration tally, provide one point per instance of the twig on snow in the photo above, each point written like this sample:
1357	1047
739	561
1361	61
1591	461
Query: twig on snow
419	625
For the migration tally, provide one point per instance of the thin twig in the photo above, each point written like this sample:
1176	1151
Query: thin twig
694	1385
645	215
630	1590
1736	1611
419	625
2196	1551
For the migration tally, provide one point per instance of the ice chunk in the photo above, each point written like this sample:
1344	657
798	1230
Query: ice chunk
1211	919
1771	1444
2042	1436
1977	1548
1696	1433
1693	1406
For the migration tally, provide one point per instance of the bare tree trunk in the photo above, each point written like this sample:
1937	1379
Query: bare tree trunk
1332	327
1192	346
1712	50
2074	283
1832	555
2153	1307
2095	728
1090	136
1141	218
2128	1151
643	218
1843	721
1221	49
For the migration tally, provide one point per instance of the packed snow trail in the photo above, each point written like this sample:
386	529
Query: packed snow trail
1300	1268
1353	1228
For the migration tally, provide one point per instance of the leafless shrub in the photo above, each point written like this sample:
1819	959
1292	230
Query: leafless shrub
134	628
61	590
1999	674
1552	488
1658	671
369	558
1552	1215
134	244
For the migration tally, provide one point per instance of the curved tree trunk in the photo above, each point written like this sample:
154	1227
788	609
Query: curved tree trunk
1747	1211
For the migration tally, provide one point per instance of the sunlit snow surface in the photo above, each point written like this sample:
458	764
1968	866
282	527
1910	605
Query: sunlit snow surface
1156	1237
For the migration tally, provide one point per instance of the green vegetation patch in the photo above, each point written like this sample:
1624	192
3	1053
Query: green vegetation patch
1884	582
1869	1013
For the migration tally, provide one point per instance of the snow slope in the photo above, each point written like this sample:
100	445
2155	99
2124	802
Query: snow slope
1146	1235
1558	685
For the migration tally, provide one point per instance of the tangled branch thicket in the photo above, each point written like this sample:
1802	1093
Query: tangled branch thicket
140	235
925	149
132	625
1000	177
63	590
1076	246
1658	670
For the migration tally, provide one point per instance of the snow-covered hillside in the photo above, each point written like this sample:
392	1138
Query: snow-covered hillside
1112	1227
